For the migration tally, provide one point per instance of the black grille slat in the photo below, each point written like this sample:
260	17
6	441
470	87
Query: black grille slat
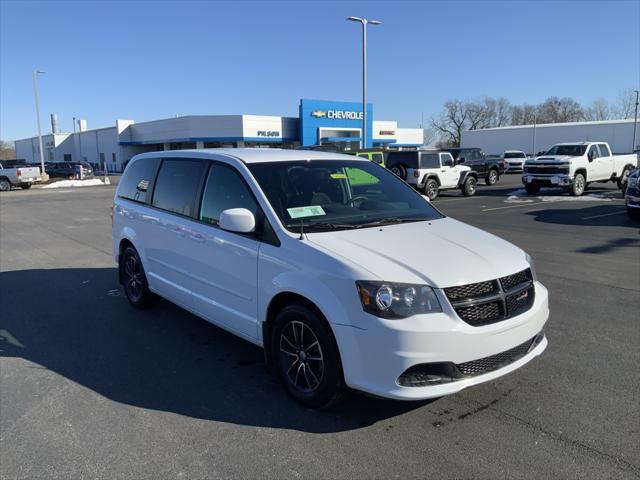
516	279
471	290
494	362
484	303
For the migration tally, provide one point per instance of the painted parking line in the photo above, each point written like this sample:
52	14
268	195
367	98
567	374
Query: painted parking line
603	215
529	204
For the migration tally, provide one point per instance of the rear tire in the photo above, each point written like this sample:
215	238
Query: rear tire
5	185
25	187
305	356
577	188
134	280
469	187
431	189
532	188
399	171
492	177
622	181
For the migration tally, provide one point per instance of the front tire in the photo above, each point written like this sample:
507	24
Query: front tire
305	356
134	280
5	185
469	187
577	187
492	177
431	189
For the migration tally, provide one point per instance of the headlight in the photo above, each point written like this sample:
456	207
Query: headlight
531	266
397	300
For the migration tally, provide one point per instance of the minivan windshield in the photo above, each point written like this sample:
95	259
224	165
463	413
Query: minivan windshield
320	195
570	150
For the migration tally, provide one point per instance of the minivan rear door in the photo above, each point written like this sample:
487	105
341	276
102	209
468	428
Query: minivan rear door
168	249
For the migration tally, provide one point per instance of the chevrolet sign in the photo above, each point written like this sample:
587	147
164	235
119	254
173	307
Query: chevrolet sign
337	114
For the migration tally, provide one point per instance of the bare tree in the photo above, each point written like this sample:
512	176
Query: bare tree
559	110
598	110
7	150
453	120
625	106
523	115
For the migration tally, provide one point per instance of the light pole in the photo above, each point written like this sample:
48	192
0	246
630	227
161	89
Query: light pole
635	122
37	100
364	23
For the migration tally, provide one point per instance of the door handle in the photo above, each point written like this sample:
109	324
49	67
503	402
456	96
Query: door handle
196	237
178	232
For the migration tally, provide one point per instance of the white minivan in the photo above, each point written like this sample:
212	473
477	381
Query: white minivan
345	275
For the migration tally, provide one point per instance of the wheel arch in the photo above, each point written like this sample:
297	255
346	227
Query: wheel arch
583	171
277	303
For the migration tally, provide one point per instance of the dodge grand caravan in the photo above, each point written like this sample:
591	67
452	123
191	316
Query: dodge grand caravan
361	285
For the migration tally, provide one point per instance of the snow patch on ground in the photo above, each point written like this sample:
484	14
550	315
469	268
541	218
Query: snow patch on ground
521	196
74	183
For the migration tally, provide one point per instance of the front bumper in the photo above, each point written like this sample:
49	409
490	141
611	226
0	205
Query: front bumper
561	180
375	358
632	198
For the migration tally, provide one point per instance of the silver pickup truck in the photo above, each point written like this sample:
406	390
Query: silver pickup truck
16	175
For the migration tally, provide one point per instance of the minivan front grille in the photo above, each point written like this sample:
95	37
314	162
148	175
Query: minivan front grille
484	303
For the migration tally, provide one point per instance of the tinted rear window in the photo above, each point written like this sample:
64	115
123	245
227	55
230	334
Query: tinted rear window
177	184
514	155
429	160
410	159
137	177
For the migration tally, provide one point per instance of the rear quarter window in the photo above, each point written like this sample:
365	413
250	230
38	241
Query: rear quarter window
137	177
177	183
410	159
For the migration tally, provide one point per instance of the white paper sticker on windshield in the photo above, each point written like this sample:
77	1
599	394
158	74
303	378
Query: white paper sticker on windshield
310	211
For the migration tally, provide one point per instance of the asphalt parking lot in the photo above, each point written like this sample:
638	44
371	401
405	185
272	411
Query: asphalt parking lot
91	388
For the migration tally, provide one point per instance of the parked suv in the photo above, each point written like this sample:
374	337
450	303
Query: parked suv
486	167
514	160
632	194
68	169
366	286
430	171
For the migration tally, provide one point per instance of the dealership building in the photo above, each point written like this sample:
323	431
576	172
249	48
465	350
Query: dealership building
319	123
536	138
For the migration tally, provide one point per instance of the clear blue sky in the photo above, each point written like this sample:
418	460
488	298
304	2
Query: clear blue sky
149	60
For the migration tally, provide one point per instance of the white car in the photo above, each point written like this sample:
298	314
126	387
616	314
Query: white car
431	171
515	160
341	271
576	165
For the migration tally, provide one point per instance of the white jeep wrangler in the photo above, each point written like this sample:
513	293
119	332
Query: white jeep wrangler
430	171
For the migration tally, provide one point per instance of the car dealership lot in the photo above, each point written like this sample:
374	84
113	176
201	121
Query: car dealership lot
92	388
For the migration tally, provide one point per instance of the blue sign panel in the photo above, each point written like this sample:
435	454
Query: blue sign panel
325	121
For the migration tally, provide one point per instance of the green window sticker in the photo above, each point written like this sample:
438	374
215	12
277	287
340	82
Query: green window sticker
302	212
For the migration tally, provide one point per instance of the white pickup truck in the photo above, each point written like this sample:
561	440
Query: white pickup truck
575	165
17	175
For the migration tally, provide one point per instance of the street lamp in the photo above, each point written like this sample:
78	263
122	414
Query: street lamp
35	94
635	121
364	23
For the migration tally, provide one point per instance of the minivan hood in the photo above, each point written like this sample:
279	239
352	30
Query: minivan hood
440	253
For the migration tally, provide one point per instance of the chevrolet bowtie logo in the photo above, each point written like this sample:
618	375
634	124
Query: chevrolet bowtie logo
319	113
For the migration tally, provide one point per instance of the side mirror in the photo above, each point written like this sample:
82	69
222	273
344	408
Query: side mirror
459	161
239	220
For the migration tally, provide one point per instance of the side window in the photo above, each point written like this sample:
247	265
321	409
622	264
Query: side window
135	181
224	189
177	184
593	151
446	160
477	155
429	160
604	150
378	158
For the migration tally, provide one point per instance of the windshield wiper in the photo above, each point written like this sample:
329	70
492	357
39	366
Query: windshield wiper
323	225
391	221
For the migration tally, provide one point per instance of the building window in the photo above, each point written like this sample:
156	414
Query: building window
51	155
67	157
102	158
113	158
